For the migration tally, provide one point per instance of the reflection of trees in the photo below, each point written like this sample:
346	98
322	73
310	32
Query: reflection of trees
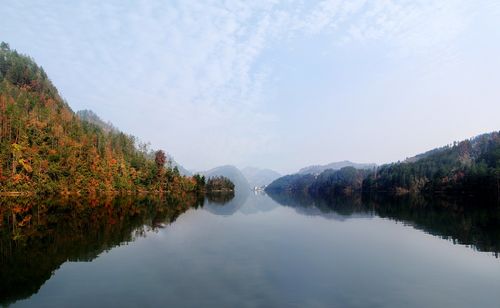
228	208
467	222
36	237
303	202
220	197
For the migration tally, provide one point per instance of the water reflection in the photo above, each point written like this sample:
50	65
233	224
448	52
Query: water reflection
220	197
37	236
226	204
468	222
246	248
244	202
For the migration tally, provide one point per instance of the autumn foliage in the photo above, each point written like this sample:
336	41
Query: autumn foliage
46	148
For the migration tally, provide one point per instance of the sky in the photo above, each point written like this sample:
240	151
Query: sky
272	84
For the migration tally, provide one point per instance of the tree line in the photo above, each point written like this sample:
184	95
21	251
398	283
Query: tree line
219	184
469	167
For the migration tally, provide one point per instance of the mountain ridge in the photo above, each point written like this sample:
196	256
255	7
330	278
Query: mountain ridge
317	169
259	177
232	173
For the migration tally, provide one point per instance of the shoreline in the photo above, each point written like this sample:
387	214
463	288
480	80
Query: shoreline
85	193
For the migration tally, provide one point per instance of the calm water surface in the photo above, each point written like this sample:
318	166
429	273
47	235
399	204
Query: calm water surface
250	251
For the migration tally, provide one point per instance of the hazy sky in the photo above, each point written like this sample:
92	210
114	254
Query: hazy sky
277	84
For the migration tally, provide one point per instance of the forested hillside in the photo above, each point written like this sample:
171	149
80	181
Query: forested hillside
469	167
90	116
329	182
46	147
219	184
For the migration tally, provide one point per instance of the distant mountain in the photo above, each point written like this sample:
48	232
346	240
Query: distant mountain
317	169
259	177
244	179
91	117
231	172
183	171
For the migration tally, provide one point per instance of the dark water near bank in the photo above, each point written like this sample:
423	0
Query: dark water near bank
249	251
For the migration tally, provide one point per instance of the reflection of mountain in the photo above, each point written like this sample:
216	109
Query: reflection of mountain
37	237
258	202
340	208
232	173
467	223
245	202
228	208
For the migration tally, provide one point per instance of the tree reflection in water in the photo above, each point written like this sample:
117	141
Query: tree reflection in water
38	236
474	222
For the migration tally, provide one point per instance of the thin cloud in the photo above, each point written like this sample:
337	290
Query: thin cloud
193	77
